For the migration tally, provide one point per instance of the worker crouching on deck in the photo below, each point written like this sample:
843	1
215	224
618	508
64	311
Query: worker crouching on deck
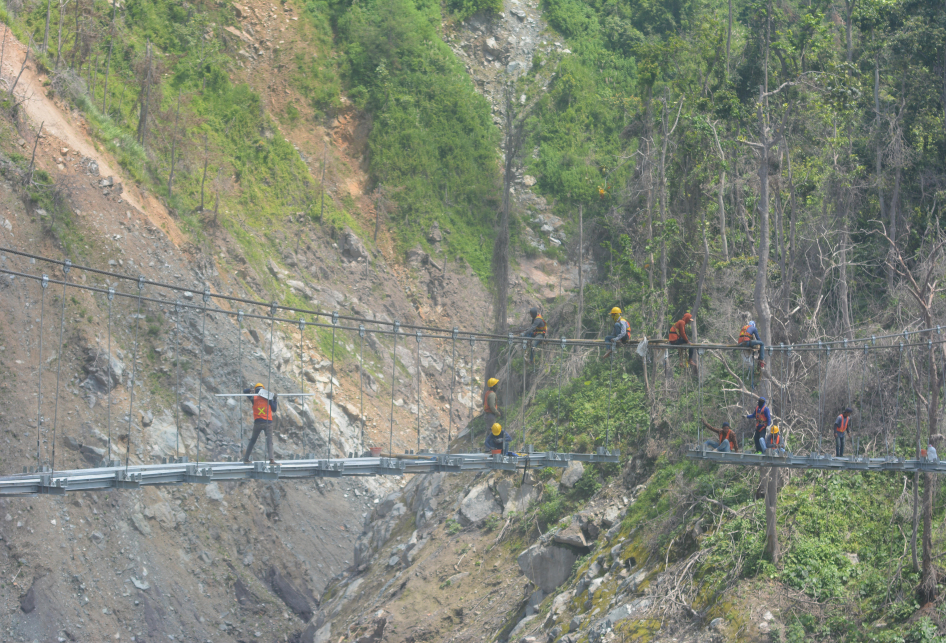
262	421
774	441
726	441
749	337
498	440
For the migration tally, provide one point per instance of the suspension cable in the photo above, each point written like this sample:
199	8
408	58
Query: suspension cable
62	325
561	373
39	370
134	373
397	327
242	382
177	387
331	385
420	377
522	400
607	440
302	377
108	371
361	384
200	375
453	386
472	404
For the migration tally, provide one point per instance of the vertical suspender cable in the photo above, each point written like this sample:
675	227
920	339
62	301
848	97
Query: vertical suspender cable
177	388
272	331
62	325
607	440
397	329
824	369
453	386
108	369
331	385
200	374
522	400
39	370
302	377
134	371
472	404
561	373
240	370
508	397
361	384
420	375
896	408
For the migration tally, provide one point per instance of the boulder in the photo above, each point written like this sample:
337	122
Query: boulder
104	371
573	473
611	517
300	289
213	492
417	257
633	609
189	407
28	600
478	505
147	418
521	627
492	48
528	181
434	235
352	247
548	566
71	443
571	535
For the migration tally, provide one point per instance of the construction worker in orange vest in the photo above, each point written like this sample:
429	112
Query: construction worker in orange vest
491	410
749	336
262	421
841	426
678	336
537	329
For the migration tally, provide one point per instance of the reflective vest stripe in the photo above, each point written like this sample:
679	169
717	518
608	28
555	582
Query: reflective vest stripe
539	329
744	336
844	423
625	328
486	408
261	409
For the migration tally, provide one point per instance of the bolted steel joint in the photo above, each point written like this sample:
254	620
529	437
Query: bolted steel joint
66	266
240	316
510	339
177	306
206	295
334	317
456	332
417	336
563	343
45	281
397	327
361	330
472	340
111	294
302	325
141	282
272	309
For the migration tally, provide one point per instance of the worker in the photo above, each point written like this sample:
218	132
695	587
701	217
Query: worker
841	425
749	336
262	421
537	329
491	410
727	439
678	335
774	441
931	453
497	439
763	420
620	333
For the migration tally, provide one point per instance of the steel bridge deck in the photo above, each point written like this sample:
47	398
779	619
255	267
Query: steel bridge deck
180	471
817	461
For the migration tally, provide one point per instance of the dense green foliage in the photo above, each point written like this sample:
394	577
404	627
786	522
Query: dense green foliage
433	144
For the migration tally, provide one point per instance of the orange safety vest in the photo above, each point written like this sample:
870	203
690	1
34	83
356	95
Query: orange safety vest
261	409
745	336
674	334
760	419
844	423
486	408
625	330
540	330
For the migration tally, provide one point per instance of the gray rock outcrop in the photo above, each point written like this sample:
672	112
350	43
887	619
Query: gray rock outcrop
547	565
478	505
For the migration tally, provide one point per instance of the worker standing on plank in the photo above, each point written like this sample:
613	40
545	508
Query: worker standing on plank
763	420
678	335
727	439
620	333
537	329
841	426
497	439
262	421
491	410
749	336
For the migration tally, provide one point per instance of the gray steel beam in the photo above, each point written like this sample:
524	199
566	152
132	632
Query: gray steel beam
817	461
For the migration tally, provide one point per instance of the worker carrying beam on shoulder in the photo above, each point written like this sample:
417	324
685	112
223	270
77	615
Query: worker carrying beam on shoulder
491	410
620	333
678	335
749	337
726	441
497	439
841	426
537	329
763	420
262	421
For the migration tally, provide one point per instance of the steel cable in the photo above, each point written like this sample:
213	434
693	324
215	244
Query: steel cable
134	373
62	325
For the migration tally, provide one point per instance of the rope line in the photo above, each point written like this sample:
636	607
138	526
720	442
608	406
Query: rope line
134	373
39	370
453	385
331	387
108	371
242	381
301	376
420	376
177	388
361	385
62	325
200	374
397	326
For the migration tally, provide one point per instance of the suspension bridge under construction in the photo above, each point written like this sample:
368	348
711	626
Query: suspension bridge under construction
44	478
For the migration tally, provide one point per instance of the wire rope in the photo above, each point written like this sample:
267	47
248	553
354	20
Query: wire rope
397	326
302	376
361	384
62	326
177	374
561	374
134	373
242	381
472	404
200	374
108	371
453	386
39	370
331	386
522	400
420	376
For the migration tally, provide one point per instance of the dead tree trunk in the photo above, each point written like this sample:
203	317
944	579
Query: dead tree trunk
49	14
174	137
203	176
145	98
108	62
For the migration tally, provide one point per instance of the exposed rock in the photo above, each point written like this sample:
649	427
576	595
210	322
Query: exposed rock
104	371
492	48
300	289
573	473
213	492
612	515
478	505
292	597
434	235
140	584
71	443
521	626
138	520
375	634
96	537
528	181
571	535
189	407
147	418
416	256
352	247
633	609
548	566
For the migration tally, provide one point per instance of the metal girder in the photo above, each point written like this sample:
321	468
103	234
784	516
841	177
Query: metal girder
177	471
817	461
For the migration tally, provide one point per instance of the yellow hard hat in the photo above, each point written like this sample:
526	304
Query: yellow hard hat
775	428
491	382
615	311
257	385
497	429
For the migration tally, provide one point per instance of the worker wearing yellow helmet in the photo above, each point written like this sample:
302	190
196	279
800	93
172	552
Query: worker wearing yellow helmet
491	410
620	333
774	440
264	405
497	439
